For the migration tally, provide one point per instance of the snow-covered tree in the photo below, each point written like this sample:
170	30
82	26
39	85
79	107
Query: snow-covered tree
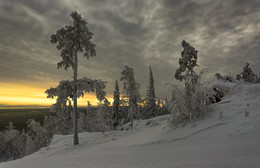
38	136
248	75
187	62
131	90
151	99
189	103
66	90
88	120
13	143
71	40
2	146
108	113
124	110
16	144
166	107
116	107
103	117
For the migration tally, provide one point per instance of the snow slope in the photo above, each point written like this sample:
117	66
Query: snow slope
229	141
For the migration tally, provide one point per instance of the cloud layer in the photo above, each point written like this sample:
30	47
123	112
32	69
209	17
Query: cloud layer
129	32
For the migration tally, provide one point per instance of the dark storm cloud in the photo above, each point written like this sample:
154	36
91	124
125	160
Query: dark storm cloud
124	27
218	29
24	47
235	27
134	33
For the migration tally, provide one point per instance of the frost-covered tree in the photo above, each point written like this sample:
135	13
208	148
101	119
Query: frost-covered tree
37	136
71	40
131	90
189	103
116	107
65	91
124	110
187	62
101	125
12	144
108	113
2	146
103	117
247	75
151	99
166	107
16	144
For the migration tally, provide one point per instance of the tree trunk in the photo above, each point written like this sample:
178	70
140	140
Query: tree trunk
131	115
75	108
131	110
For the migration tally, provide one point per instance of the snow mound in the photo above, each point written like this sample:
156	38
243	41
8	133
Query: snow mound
227	137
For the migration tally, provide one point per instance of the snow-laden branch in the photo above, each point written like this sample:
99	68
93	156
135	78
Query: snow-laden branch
69	89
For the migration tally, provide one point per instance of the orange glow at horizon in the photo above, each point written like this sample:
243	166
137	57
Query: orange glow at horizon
21	94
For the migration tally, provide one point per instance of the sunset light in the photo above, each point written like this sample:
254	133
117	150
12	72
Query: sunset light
24	95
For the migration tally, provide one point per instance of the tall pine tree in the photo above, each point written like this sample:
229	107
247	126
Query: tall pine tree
116	106
71	40
151	100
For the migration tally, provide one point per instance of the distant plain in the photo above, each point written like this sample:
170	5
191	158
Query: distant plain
20	116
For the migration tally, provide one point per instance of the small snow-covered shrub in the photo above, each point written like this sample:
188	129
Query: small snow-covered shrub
187	107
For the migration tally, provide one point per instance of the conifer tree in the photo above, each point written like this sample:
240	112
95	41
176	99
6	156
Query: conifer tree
191	102
71	40
103	117
12	145
248	75
89	104
151	100
187	62
131	90
116	106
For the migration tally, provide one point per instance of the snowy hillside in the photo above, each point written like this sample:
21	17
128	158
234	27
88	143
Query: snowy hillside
229	136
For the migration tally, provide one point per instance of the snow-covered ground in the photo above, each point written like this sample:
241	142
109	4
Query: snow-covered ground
230	141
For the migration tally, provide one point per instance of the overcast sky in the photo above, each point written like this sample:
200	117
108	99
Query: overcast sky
129	32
